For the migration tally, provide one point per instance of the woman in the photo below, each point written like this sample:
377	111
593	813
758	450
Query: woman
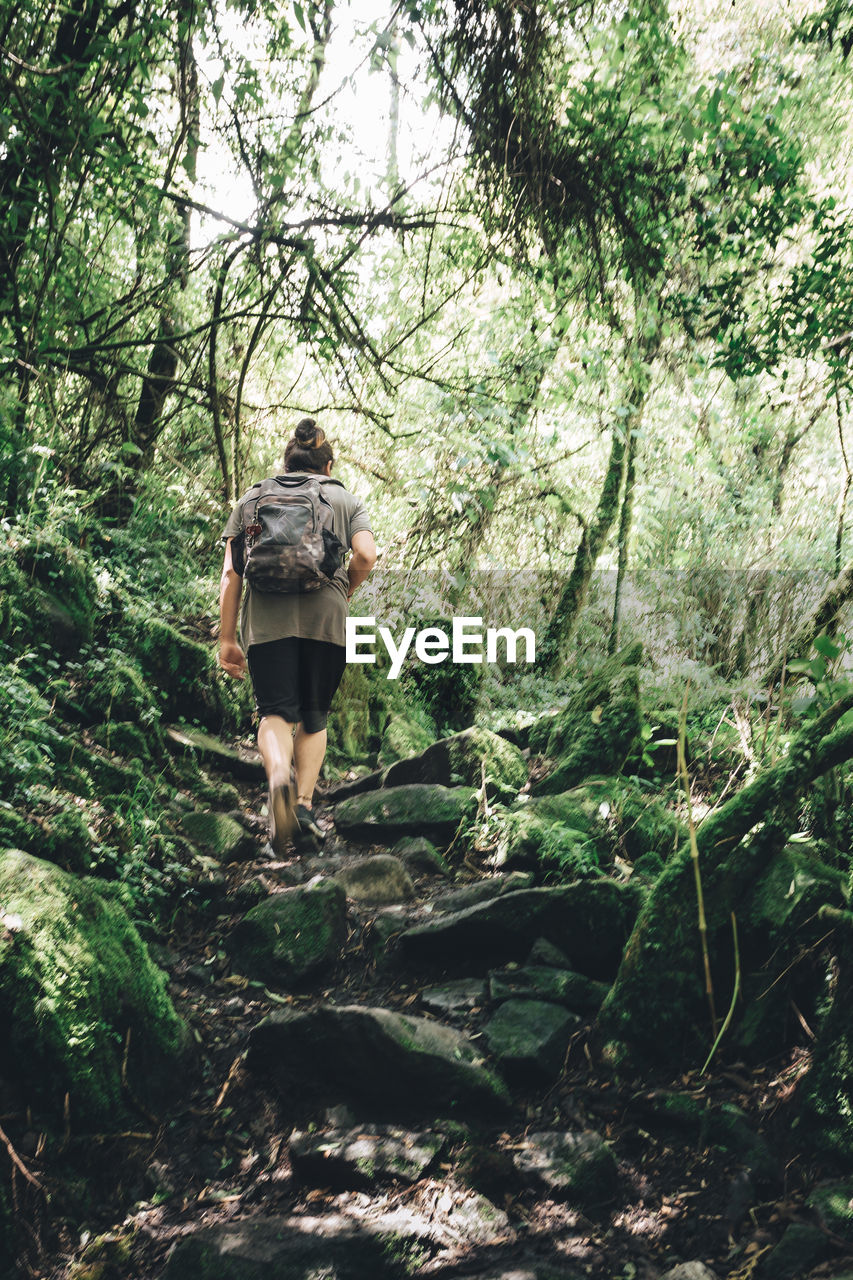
295	644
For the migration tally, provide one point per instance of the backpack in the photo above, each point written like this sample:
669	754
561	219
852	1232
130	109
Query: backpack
290	543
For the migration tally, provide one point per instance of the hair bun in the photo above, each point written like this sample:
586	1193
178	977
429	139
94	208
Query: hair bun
309	434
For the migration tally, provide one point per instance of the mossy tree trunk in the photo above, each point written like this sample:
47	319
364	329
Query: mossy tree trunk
658	994
624	539
594	536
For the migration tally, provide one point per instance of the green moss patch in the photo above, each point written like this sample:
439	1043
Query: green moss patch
75	981
466	758
598	731
292	935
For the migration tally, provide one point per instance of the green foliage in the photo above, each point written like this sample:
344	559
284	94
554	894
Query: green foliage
75	979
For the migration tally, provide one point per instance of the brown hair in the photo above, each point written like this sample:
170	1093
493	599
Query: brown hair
308	449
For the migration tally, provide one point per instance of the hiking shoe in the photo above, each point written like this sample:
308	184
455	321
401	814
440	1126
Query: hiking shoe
282	816
309	833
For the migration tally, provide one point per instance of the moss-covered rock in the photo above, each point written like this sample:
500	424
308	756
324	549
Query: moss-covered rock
218	835
57	829
528	1039
75	982
599	731
387	815
466	758
530	838
577	832
397	1062
215	791
128	739
801	1248
379	880
781	920
421	857
293	935
114	687
590	921
833	1204
542	982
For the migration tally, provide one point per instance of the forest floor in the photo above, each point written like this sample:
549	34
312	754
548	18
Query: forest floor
223	1156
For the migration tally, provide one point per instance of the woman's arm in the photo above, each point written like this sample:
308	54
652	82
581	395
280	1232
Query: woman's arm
231	657
362	560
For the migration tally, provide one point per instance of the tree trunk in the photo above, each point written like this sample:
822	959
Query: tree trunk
594	537
625	521
160	376
658	994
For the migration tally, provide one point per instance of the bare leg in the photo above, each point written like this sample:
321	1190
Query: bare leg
275	743
309	752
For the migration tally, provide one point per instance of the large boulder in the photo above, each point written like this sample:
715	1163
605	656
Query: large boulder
387	815
466	758
590	921
396	1062
293	935
85	1008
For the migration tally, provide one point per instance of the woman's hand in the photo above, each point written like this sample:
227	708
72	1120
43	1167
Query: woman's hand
232	659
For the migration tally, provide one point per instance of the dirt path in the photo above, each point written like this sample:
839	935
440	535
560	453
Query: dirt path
689	1187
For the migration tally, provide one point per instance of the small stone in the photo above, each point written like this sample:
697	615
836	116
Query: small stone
380	881
454	997
690	1271
572	990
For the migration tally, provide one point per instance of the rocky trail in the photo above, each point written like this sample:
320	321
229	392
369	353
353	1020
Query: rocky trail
394	1076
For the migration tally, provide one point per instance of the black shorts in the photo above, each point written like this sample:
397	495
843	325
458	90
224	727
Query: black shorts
296	679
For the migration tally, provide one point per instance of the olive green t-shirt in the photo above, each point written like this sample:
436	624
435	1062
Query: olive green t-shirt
313	615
